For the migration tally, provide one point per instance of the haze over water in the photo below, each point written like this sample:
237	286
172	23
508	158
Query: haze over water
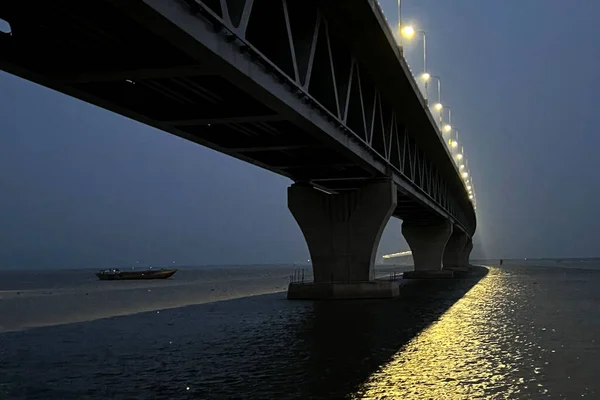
517	331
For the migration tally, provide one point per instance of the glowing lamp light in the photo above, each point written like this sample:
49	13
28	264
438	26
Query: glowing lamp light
459	156
465	174
469	187
408	32
471	197
447	128
454	144
438	106
462	166
425	76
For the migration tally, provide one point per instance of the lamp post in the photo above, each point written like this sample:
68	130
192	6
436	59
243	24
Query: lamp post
400	25
409	32
425	75
460	156
438	106
448	127
453	143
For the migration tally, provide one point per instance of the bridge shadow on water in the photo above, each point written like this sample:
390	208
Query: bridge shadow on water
275	348
346	342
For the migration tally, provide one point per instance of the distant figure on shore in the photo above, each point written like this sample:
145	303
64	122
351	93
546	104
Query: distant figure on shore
501	261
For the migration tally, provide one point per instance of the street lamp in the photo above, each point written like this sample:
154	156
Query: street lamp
448	126
426	77
409	32
400	24
438	106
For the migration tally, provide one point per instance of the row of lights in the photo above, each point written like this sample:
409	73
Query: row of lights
410	32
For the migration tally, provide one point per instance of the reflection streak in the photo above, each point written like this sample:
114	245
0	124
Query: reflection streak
473	351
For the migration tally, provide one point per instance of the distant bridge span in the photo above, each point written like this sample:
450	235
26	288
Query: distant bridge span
398	255
316	91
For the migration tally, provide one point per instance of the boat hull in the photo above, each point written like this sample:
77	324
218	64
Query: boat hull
136	275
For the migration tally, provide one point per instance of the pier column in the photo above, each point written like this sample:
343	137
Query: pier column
454	254
342	232
427	243
467	252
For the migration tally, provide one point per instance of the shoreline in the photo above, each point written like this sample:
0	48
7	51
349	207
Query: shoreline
90	300
24	309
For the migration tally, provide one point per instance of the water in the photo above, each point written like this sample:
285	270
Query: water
520	331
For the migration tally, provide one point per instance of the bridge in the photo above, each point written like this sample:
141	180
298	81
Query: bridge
397	255
317	91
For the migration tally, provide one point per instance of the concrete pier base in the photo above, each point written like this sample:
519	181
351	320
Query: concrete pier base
345	291
467	252
428	243
342	232
456	269
441	274
454	253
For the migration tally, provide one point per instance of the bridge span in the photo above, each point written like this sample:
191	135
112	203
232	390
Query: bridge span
317	91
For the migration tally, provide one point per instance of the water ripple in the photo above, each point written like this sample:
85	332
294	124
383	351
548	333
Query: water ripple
514	333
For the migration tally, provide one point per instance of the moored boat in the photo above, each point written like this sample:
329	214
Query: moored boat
117	274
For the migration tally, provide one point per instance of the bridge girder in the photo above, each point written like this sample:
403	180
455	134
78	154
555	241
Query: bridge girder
210	72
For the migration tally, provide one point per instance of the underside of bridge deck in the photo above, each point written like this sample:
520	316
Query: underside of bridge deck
125	57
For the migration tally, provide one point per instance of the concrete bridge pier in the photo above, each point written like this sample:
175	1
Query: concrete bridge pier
454	254
428	243
467	252
342	232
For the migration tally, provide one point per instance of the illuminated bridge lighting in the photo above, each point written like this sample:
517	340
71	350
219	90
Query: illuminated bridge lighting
409	32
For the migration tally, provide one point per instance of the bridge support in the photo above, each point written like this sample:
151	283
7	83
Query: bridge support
427	243
454	254
342	232
467	252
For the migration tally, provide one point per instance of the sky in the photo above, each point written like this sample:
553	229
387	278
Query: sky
83	187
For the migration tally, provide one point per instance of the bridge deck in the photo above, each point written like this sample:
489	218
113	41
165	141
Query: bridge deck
106	53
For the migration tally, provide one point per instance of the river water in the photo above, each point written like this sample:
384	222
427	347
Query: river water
527	329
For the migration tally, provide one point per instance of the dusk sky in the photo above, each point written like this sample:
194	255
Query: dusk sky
83	187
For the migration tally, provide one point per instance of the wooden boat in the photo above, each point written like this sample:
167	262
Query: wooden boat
117	274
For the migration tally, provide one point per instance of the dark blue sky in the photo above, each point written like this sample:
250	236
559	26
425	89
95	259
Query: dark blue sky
82	187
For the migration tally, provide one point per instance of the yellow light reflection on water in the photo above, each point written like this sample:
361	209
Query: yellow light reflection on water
466	354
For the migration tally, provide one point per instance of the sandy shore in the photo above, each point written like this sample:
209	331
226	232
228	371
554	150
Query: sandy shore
28	308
